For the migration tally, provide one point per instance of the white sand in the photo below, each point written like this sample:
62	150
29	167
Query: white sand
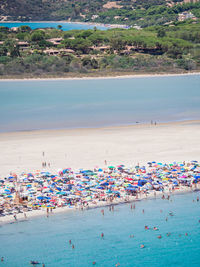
86	148
111	76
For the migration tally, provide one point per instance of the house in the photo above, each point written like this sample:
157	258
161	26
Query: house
23	45
103	48
56	52
55	41
186	15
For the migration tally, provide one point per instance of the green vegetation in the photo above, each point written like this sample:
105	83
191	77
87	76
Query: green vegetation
44	52
143	13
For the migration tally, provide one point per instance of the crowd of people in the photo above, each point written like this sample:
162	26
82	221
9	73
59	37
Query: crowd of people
88	188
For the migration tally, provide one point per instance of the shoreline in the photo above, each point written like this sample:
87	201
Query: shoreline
72	22
8	219
128	76
96	128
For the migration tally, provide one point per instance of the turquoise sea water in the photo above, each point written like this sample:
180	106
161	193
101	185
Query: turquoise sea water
46	239
65	25
27	105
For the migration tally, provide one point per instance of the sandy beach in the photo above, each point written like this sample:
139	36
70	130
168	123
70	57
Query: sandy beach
110	76
87	148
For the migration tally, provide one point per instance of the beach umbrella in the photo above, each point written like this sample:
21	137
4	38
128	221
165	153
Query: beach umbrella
40	198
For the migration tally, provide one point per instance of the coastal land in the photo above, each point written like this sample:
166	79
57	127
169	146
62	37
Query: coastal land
106	75
53	53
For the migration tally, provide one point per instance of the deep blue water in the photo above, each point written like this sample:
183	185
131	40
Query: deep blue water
46	239
65	25
27	105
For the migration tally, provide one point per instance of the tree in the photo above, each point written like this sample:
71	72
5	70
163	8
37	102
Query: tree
12	48
24	28
117	44
4	29
3	51
37	36
161	33
59	27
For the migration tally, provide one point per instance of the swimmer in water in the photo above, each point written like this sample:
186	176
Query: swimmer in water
2	258
142	246
159	237
146	227
73	246
166	219
70	242
102	235
155	229
168	234
94	262
34	262
186	234
117	264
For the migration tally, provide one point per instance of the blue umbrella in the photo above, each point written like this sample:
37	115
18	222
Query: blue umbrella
40	198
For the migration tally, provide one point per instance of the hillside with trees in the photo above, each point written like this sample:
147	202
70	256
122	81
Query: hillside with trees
53	52
142	13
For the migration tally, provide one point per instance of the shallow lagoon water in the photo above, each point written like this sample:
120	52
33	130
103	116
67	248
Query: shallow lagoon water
66	26
46	239
53	104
